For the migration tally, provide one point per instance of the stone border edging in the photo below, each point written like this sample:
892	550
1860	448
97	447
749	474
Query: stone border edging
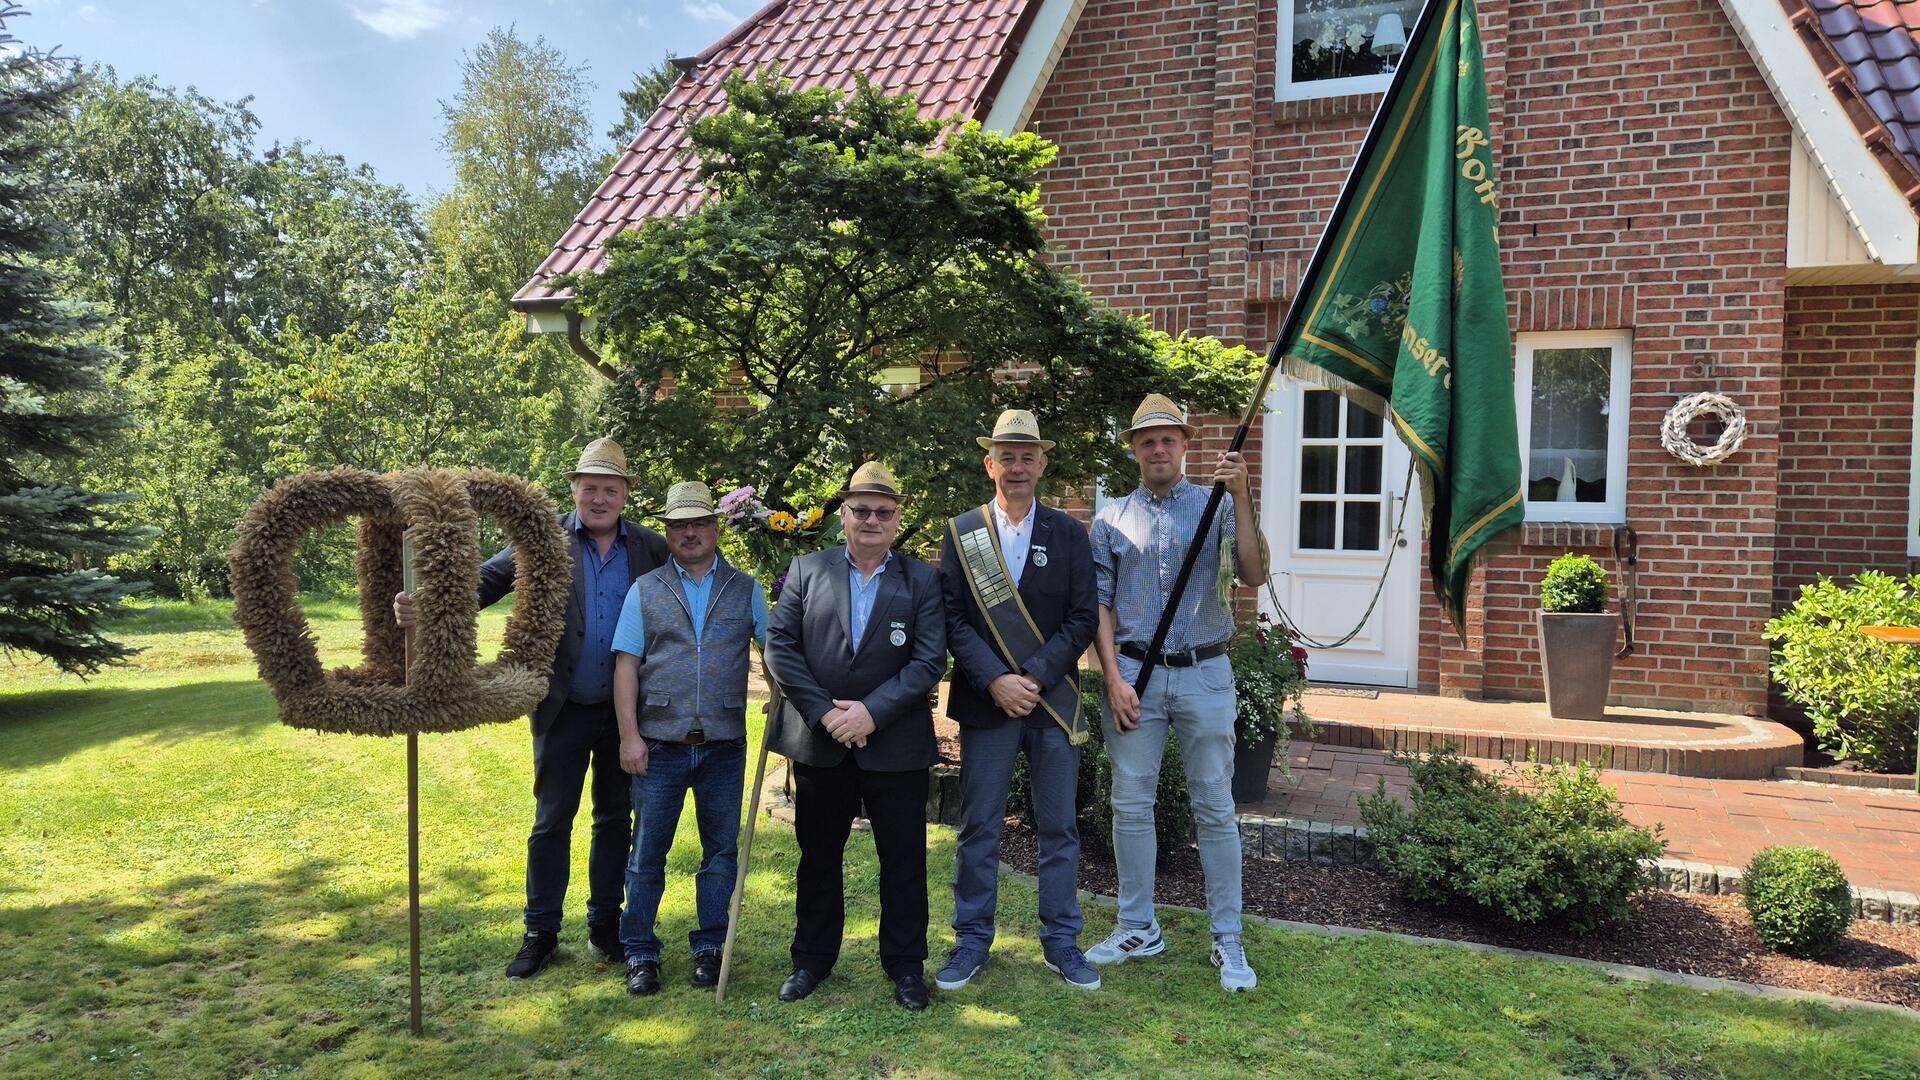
1325	844
1622	971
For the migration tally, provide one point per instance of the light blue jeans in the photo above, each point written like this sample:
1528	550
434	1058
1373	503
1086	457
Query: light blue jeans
1198	703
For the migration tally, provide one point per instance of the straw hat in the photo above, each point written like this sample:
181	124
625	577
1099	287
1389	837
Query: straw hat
1015	426
602	457
873	478
1157	410
689	500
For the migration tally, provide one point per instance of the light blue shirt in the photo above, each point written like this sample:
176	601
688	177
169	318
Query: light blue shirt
1015	540
604	581
631	635
863	594
1138	544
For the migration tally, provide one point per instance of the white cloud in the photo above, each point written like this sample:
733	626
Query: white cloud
641	21
403	19
710	10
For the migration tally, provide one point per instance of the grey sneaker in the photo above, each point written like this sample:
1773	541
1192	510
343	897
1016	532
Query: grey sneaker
1231	958
1071	964
963	963
1125	944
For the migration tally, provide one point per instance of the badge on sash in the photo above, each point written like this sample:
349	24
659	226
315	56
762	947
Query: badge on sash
1038	556
899	635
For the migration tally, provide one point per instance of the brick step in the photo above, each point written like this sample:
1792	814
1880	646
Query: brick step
1695	744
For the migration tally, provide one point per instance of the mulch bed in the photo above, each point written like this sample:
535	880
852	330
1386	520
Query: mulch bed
1695	935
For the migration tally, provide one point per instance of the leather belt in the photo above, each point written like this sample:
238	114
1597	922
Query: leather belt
1133	651
694	738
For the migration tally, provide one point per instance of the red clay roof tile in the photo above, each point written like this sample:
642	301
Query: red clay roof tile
1869	53
949	52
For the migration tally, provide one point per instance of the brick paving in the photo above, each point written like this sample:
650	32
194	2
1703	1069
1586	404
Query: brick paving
1875	835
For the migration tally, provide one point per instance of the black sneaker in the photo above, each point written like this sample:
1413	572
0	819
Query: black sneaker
643	978
605	940
536	952
706	969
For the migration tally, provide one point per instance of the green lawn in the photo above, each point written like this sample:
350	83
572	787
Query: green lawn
189	889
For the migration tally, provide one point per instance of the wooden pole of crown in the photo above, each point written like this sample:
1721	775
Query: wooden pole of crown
413	821
1898	635
746	845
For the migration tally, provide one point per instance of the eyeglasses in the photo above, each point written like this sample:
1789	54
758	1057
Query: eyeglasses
881	514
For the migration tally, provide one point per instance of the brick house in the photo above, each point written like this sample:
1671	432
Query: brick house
1695	196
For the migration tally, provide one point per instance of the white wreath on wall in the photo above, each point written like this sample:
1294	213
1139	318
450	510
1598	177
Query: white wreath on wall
1673	431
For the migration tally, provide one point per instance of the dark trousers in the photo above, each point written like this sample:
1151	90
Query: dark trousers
825	803
581	737
987	756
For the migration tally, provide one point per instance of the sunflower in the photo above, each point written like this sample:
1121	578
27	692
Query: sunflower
813	518
781	521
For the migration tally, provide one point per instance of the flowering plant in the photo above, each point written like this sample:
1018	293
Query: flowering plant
763	540
1269	675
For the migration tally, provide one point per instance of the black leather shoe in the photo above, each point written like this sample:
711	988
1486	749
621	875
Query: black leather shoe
643	978
706	969
536	952
605	940
911	991
799	984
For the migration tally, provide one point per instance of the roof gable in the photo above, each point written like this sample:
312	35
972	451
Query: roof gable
953	54
1867	51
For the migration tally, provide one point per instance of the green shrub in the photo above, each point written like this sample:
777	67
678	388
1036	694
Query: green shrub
1574	583
1858	692
1552	848
1267	683
1799	900
1172	813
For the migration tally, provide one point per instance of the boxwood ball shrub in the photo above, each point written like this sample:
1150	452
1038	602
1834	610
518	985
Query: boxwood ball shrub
1574	584
1799	900
1552	847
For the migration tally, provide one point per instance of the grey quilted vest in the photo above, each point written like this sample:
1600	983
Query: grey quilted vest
689	684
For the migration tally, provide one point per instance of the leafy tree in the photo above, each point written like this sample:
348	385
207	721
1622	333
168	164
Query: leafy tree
640	101
846	238
522	164
52	534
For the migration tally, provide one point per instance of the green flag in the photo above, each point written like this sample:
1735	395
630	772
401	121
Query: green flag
1407	314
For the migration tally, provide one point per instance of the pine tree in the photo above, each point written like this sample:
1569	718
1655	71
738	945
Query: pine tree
52	534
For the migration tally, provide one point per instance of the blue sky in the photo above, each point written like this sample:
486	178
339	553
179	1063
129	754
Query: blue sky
364	78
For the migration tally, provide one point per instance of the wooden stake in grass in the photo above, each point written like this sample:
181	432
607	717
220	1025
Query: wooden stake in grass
746	846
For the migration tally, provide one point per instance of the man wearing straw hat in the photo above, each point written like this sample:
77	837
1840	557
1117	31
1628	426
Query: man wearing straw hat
1139	543
680	696
573	726
1018	579
857	643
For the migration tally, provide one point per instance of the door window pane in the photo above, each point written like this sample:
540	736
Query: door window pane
1362	527
1319	469
1362	424
1567	443
1320	414
1363	470
1316	524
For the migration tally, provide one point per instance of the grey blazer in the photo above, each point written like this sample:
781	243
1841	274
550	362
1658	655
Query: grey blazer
646	550
810	654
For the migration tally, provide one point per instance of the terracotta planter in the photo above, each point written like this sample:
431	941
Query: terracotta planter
1252	763
1576	653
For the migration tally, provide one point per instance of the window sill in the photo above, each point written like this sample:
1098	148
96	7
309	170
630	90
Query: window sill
1568	534
1295	109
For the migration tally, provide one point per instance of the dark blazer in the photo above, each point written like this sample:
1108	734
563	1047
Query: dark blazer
1059	596
811	656
646	550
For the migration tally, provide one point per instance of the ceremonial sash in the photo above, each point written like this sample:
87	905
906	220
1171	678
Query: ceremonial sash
1015	635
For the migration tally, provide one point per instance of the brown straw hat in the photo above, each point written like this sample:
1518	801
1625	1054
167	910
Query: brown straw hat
873	478
1157	410
602	457
1015	426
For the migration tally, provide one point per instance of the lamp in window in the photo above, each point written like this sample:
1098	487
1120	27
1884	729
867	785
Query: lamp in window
1390	37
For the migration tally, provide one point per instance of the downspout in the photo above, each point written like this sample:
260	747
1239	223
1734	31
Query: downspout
585	351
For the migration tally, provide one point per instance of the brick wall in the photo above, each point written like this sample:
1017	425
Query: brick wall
1846	432
1644	182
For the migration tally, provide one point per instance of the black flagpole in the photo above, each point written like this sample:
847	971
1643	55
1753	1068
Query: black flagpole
1428	13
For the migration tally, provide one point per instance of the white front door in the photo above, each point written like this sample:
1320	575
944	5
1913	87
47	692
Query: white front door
1330	494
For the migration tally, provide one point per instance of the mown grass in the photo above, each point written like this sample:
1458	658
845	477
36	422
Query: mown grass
188	888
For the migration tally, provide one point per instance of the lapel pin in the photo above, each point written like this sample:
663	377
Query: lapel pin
1039	556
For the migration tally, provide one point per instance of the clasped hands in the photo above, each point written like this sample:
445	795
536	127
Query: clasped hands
848	722
1015	694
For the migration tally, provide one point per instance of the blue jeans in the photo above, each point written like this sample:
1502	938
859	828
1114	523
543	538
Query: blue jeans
1198	703
715	773
987	756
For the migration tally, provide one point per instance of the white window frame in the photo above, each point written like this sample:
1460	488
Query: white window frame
1285	89
1913	469
1613	510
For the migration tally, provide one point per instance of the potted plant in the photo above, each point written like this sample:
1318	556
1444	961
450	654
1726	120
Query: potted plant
1269	675
1576	638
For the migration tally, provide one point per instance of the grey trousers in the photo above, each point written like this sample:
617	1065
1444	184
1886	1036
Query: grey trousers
987	758
1198	703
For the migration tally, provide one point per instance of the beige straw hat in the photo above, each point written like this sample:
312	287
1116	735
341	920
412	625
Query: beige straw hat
688	500
1015	426
873	478
602	457
1157	410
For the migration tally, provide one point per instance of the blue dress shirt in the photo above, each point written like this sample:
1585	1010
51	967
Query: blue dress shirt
863	594
604	580
631	635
